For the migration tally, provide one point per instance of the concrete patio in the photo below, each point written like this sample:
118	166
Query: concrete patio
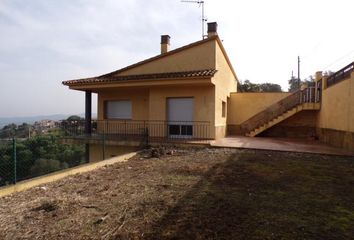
280	144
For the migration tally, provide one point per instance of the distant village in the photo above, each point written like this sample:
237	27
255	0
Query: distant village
26	130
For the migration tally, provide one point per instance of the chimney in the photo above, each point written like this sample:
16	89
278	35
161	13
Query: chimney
212	29
165	43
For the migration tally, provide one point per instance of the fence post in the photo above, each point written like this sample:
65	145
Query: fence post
14	159
146	134
105	126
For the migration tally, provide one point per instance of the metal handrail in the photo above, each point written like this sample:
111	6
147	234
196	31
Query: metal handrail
340	75
122	128
307	95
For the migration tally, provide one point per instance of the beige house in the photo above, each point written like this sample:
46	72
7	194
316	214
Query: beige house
190	94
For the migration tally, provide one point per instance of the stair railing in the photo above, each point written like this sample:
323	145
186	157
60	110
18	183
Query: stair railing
307	95
340	75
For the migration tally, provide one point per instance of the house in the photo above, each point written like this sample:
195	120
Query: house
190	94
181	93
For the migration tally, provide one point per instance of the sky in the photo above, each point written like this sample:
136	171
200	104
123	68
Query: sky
43	42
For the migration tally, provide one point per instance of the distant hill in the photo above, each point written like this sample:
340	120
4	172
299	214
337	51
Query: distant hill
32	119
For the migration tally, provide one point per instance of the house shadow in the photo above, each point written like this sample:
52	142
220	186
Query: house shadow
263	197
222	205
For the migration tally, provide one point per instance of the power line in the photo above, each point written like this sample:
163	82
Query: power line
339	59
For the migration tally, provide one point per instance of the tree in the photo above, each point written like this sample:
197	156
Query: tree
38	155
74	118
44	166
248	86
269	87
293	84
328	73
13	130
8	131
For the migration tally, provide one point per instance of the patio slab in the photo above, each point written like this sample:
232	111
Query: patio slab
280	144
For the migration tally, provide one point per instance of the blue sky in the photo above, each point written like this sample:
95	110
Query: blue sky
44	42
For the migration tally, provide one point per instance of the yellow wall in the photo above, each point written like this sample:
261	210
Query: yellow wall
203	102
242	106
195	58
150	104
96	151
337	108
139	98
335	121
225	83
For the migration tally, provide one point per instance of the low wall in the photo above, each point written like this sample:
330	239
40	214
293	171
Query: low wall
24	185
335	122
242	106
220	132
97	151
337	138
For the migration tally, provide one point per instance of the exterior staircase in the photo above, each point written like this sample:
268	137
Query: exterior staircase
301	100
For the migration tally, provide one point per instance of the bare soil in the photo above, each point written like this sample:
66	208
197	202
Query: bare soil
190	193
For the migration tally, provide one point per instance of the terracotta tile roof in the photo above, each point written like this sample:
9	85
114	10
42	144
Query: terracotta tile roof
206	73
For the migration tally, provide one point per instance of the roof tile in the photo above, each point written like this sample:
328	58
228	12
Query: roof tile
152	76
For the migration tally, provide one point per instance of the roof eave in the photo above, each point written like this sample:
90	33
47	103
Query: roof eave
141	83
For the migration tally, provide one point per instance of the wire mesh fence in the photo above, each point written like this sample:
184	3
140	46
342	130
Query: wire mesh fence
25	154
7	166
22	159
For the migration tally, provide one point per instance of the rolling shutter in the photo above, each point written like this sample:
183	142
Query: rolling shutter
119	109
180	109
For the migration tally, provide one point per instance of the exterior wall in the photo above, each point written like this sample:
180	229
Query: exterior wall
301	125
96	151
225	83
242	106
335	122
203	103
139	98
150	104
196	58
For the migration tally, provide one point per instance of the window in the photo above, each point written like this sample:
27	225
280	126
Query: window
223	109
180	117
119	109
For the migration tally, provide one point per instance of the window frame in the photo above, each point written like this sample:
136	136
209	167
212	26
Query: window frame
223	109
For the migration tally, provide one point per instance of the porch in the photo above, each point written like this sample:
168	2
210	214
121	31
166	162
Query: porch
136	132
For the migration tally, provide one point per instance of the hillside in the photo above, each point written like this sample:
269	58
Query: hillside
31	119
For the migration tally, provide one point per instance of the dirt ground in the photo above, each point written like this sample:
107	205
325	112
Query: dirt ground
192	194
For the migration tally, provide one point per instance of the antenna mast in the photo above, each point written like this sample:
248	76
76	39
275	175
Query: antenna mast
298	72
200	3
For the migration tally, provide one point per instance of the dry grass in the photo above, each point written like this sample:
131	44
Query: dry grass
192	194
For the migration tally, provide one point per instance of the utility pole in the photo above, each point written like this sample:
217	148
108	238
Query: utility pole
298	72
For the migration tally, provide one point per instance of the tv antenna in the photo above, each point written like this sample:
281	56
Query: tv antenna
200	3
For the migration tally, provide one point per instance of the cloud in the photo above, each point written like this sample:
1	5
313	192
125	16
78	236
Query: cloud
46	41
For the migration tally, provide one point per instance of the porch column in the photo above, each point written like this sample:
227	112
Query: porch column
88	112
88	118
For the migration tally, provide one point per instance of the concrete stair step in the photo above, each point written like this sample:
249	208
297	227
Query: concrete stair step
275	121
